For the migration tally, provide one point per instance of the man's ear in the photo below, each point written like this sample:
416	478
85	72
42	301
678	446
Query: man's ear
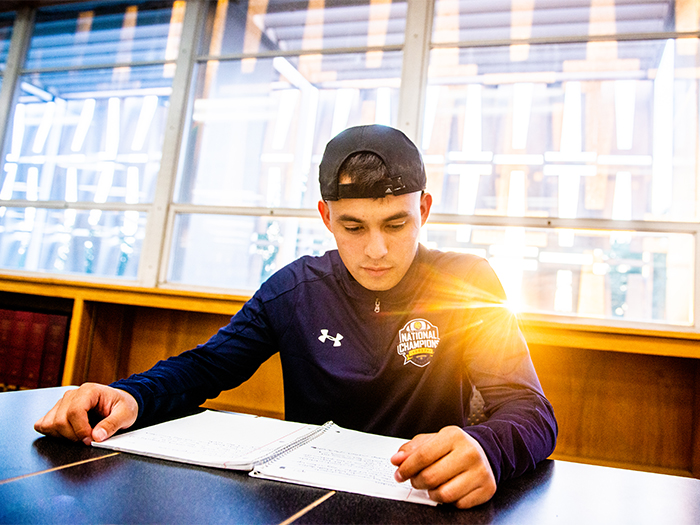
426	201
325	212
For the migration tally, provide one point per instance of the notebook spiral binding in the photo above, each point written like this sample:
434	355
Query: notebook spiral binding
276	454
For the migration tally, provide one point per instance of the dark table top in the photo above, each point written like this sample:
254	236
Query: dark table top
47	480
21	452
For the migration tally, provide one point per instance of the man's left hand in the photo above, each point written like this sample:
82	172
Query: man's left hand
450	465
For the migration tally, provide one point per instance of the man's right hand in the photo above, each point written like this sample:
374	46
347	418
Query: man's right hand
69	417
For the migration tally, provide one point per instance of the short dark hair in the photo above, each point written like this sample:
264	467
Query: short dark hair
364	169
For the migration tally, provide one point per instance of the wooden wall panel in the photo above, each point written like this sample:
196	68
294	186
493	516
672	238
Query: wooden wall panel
160	333
696	425
110	325
621	408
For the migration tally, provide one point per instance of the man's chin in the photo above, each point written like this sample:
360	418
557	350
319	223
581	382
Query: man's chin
377	284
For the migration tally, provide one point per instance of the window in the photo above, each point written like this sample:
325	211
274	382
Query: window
83	149
586	129
176	144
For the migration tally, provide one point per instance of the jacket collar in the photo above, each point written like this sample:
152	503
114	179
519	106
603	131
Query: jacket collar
397	295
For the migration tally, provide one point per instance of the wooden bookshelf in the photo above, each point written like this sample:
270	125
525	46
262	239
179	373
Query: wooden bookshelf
626	398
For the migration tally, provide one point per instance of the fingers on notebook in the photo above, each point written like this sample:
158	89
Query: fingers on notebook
450	465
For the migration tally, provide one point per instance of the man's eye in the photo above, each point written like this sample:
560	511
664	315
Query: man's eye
396	226
353	229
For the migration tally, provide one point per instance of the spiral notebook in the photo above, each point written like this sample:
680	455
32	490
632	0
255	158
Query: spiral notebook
324	456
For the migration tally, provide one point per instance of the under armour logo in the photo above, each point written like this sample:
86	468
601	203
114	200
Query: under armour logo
324	336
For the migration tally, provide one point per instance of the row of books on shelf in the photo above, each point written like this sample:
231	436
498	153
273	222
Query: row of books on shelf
32	346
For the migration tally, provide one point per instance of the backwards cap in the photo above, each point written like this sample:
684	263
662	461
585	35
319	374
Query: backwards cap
406	172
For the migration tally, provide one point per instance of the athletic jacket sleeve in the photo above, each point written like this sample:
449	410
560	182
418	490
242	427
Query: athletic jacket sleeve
521	429
184	382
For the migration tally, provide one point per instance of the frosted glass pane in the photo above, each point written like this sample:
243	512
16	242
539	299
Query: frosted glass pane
101	243
258	128
6	22
254	26
68	142
463	20
236	252
635	276
604	130
105	33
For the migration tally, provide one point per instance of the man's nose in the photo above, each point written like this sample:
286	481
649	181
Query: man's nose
376	247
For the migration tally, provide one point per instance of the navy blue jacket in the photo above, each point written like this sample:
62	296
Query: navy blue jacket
399	362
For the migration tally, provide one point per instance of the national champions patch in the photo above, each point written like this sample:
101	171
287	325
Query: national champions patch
418	340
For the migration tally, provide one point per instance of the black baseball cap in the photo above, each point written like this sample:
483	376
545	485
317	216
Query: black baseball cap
402	159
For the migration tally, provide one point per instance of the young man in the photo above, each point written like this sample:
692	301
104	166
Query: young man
380	335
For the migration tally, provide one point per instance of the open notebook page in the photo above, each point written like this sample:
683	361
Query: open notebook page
213	439
346	460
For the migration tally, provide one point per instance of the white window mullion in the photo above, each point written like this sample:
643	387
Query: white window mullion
155	252
414	70
19	45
